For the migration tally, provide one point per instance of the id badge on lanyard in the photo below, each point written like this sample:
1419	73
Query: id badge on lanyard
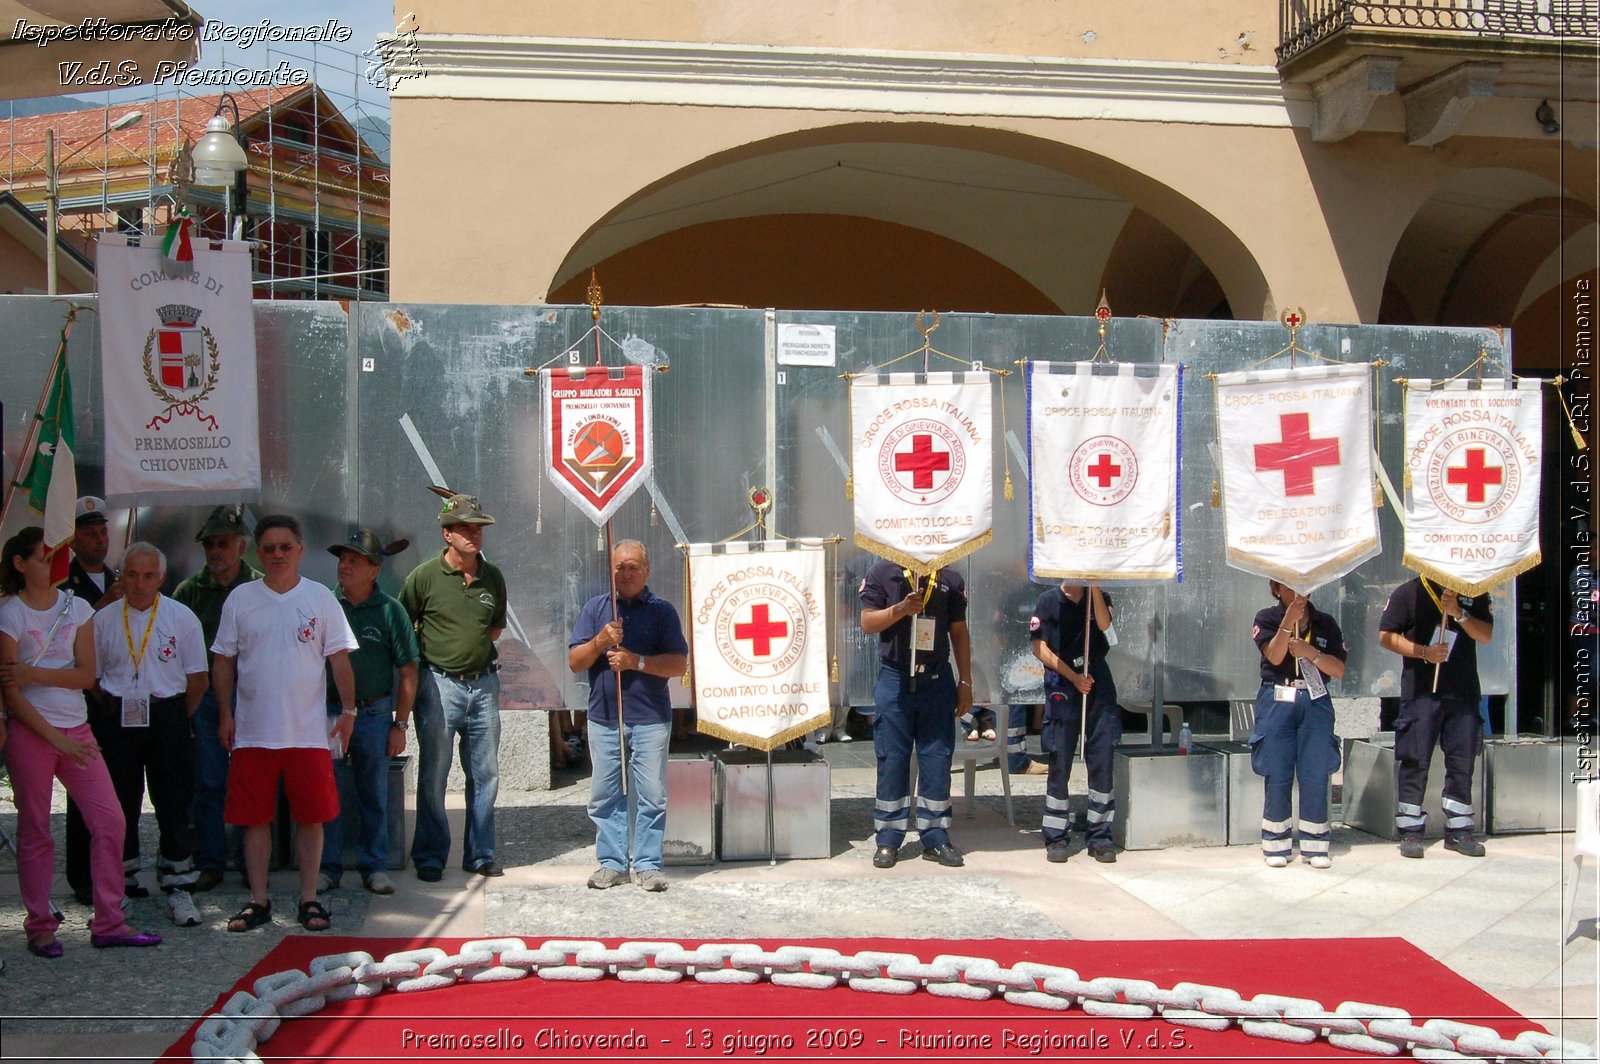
922	629
136	705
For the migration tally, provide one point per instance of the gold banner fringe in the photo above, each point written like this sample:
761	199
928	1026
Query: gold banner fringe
1080	576
1317	577
764	744
1454	583
922	568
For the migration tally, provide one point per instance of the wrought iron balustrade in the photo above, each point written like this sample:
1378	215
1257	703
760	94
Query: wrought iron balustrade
1304	23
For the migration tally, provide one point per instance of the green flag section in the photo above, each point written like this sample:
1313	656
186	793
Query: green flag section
52	481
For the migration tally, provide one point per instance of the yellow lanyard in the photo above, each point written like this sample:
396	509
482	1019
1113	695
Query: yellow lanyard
927	592
1433	595
149	626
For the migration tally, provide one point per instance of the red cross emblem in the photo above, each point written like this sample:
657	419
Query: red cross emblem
1104	470
1475	474
1298	455
761	630
922	461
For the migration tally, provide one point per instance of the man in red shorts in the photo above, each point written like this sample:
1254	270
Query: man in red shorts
274	635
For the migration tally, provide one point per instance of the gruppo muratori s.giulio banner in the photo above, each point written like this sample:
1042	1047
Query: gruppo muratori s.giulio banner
178	363
1297	476
1103	460
1473	452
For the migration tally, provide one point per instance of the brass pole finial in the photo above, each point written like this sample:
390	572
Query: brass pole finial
594	294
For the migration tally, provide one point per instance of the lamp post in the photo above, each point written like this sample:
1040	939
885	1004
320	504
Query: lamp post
52	188
220	161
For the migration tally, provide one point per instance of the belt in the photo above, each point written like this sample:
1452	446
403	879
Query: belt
466	677
158	700
1283	683
363	703
920	670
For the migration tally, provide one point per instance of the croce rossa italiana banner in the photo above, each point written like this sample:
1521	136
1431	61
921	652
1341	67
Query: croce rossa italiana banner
1473	451
922	465
1297	478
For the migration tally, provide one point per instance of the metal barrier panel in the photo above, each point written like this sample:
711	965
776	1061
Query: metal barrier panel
362	408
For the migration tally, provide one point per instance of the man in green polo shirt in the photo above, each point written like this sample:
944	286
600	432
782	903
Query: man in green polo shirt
223	537
458	603
385	668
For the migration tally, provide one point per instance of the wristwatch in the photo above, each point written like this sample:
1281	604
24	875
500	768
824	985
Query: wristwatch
401	724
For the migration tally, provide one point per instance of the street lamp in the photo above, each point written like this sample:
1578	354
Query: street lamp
219	156
52	187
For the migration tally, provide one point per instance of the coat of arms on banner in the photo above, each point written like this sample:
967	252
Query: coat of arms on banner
759	637
598	419
181	364
1473	450
1103	450
1297	476
924	474
178	367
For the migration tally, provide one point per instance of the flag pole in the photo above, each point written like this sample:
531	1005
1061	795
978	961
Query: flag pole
622	737
1088	616
25	460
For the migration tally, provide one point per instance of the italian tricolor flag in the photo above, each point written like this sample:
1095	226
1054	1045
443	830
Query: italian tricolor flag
52	482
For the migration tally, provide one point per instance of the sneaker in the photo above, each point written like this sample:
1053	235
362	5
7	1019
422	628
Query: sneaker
1103	852
1465	845
1319	860
948	855
325	883
1412	846
1277	860
841	734
180	906
379	883
651	879
885	857
208	879
604	878
1057	853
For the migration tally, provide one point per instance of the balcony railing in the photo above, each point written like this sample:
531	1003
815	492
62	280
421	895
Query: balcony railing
1304	23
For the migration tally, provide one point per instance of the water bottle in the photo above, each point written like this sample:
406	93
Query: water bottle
1185	739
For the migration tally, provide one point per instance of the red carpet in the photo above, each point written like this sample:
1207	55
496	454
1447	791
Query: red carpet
693	1021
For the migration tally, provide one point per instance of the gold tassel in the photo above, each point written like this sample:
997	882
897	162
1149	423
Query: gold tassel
1377	494
655	518
1577	437
833	673
1216	493
850	486
1405	479
538	525
599	538
1166	524
1010	494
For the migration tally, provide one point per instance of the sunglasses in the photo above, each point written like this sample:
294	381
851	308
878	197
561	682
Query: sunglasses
275	548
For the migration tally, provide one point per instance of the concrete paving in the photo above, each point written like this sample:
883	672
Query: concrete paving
1496	921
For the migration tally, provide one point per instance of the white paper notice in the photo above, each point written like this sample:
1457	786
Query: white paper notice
806	345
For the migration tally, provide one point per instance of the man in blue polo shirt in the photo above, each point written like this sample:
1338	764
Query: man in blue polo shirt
644	644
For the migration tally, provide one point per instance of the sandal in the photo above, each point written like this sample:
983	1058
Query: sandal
312	913
251	916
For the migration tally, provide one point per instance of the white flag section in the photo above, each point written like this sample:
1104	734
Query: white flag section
760	641
178	363
1297	479
1103	470
923	466
1472	480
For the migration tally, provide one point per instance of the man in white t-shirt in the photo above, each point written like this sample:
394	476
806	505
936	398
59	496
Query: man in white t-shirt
150	657
271	643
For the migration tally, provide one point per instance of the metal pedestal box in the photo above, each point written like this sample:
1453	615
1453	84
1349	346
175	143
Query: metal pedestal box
1165	798
801	786
1369	791
691	812
1247	793
1530	784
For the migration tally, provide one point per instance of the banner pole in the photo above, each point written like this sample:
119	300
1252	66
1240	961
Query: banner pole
622	736
1088	616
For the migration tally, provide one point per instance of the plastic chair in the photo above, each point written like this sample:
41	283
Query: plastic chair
982	750
1173	715
1586	843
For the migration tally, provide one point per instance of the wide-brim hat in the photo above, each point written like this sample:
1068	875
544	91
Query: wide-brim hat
365	542
460	509
225	520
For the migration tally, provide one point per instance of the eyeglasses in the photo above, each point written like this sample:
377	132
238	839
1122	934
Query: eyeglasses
275	548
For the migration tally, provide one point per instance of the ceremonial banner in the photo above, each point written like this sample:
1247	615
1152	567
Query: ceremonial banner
923	468
178	364
1297	483
1103	470
760	641
598	420
1472	480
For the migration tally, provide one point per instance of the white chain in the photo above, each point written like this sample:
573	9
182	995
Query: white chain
230	1036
